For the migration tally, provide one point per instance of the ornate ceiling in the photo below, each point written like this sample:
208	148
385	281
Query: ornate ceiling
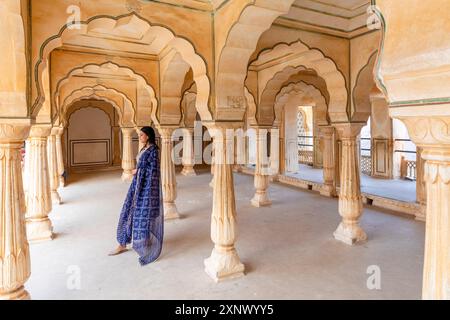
344	18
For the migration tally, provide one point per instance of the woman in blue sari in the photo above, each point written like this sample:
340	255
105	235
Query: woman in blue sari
141	221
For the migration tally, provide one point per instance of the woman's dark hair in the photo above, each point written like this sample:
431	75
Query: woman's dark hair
150	133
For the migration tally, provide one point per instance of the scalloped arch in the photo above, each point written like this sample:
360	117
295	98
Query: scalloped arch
364	86
119	100
161	36
307	94
173	73
241	42
302	55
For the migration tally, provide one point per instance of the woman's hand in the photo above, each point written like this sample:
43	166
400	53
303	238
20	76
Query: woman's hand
134	172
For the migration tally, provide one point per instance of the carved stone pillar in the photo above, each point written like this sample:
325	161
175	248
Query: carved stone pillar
26	167
224	262
116	150
431	134
14	252
211	183
350	200
140	144
421	188
53	166
262	170
168	179
39	202
59	157
188	153
128	161
275	152
328	142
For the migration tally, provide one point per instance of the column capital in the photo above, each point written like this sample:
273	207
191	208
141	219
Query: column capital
13	133
223	125
166	131
348	130
127	131
40	131
326	130
55	131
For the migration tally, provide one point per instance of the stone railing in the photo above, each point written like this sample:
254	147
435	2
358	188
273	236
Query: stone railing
306	156
408	169
366	165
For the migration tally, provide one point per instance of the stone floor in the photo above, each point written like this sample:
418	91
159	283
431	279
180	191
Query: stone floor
397	189
288	249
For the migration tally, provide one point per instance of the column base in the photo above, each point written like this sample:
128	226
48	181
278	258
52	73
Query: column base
350	234
127	177
19	294
421	215
56	198
170	211
224	265
39	230
188	171
261	200
328	191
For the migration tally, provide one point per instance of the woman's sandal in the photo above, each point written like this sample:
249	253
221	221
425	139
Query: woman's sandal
117	251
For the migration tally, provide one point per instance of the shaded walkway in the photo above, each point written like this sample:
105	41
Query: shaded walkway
397	189
288	249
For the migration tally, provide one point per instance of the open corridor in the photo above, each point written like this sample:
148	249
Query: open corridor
288	249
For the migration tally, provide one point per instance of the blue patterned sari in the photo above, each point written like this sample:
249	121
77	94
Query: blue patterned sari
142	218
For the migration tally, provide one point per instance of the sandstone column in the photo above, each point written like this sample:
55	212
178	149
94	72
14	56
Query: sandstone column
328	141
350	200
275	152
59	157
188	153
14	252
168	178
53	166
39	202
224	262
26	167
436	281
421	188
211	183
116	150
430	133
262	170
128	161
141	145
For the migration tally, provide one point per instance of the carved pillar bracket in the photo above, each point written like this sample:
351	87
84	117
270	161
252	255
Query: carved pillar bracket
224	262
14	251
350	200
327	134
128	161
168	178
262	170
